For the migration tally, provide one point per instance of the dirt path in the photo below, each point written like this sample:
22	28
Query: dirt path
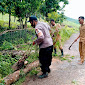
64	72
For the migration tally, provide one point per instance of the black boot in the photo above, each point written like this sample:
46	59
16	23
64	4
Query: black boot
48	70
44	75
54	50
62	53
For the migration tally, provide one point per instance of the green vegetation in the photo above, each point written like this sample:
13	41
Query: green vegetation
4	25
10	43
72	20
17	40
6	61
72	24
56	16
75	82
14	15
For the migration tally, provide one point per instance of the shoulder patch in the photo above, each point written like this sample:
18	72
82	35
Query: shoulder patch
39	32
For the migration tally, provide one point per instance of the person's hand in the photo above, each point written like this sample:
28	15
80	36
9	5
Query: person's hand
33	42
52	35
57	30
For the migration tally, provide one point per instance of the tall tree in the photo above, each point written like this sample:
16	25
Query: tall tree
33	7
9	7
2	6
23	9
49	6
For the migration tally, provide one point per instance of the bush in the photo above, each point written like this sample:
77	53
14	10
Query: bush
4	25
6	46
5	68
66	32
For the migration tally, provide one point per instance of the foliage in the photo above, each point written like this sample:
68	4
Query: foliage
49	6
6	61
33	72
20	81
75	82
24	8
5	68
17	37
4	25
72	20
2	84
22	74
72	57
72	24
53	15
20	9
7	46
9	7
2	6
66	32
56	16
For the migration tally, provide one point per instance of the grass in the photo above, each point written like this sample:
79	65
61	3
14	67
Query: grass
75	82
72	24
72	57
65	58
33	72
10	42
4	20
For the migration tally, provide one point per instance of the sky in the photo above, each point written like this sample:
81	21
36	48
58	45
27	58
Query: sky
75	8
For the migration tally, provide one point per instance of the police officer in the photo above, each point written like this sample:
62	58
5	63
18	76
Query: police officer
45	43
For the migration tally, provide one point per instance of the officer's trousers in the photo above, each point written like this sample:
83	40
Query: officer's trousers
45	58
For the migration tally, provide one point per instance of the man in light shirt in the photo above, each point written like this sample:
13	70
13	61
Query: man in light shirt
82	40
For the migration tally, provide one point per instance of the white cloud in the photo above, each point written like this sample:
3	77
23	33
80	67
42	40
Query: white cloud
75	8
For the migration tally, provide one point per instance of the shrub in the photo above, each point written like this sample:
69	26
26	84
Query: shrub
6	46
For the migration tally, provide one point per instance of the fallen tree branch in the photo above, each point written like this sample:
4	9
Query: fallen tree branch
18	65
10	31
15	76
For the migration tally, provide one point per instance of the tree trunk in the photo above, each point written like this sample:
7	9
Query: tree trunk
46	16
20	23
14	18
26	23
9	20
2	16
15	76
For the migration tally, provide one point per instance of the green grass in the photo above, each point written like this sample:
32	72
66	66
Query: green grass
6	61
9	41
69	23
72	57
4	22
75	82
17	37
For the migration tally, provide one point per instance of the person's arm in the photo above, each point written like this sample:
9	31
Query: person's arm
56	30
40	36
77	38
58	27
